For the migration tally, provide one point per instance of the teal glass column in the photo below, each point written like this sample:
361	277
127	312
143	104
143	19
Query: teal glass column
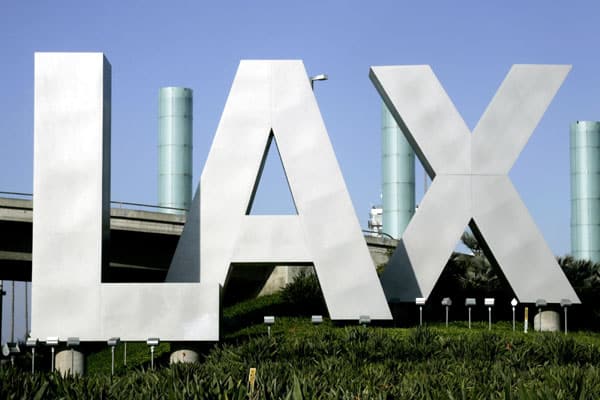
398	170
585	190
175	148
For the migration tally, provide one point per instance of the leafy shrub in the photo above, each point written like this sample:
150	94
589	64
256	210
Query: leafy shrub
584	275
303	296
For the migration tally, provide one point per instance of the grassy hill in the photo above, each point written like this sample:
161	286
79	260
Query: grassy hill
304	361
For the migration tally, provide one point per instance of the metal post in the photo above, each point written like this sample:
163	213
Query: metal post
469	317
269	330
2	293
446	316
420	315
72	362
26	312
565	320
12	313
112	360
152	357
525	325
490	318
540	316
32	360
124	354
52	360
514	324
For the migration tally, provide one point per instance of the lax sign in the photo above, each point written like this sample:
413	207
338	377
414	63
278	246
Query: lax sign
273	101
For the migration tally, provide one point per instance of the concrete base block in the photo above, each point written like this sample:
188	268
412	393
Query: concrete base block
184	356
550	321
69	362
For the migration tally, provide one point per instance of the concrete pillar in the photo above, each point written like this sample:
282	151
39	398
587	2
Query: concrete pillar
70	360
184	356
175	148
398	176
281	276
550	321
585	190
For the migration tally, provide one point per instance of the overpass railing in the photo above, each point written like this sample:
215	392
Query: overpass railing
17	194
130	205
115	204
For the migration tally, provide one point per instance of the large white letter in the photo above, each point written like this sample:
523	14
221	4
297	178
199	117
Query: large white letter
470	181
272	100
71	221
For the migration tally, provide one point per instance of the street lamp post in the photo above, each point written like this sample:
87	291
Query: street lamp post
269	320
364	320
73	342
514	303
420	301
447	302
152	343
52	342
470	302
565	303
32	344
2	293
113	342
489	302
320	77
539	304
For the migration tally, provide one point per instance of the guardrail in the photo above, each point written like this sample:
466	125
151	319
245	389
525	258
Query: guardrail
119	204
375	233
17	194
127	205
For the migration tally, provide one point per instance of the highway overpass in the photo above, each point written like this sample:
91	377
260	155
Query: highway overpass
142	244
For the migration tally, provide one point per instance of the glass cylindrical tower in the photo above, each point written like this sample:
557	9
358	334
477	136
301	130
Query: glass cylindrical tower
398	172
585	190
175	148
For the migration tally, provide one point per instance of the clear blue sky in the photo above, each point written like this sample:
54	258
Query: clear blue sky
470	45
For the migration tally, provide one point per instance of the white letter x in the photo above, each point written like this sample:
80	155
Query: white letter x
470	181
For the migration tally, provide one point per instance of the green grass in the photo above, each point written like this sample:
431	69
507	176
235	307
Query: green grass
300	360
138	356
304	361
